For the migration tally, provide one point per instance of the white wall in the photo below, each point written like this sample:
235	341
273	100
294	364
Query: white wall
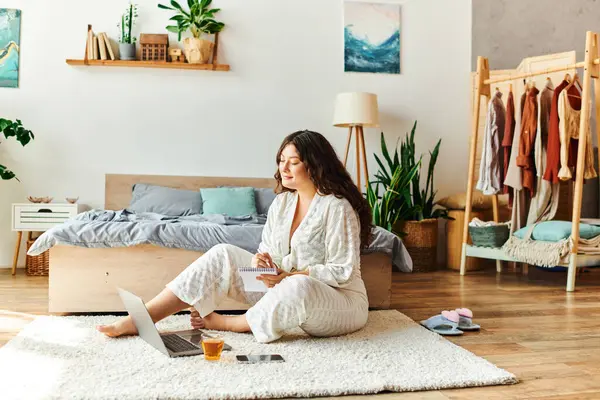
286	67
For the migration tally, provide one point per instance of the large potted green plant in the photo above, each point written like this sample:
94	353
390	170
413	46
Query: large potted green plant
127	40
199	19
13	129
394	203
417	224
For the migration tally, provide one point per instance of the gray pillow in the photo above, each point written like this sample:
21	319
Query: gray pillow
164	200
264	197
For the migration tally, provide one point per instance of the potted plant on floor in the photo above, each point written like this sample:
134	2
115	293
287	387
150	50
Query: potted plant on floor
127	41
391	206
417	223
9	129
199	19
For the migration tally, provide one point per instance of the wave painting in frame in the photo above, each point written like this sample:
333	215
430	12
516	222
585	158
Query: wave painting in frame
372	37
10	26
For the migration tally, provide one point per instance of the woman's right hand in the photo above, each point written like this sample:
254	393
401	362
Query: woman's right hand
195	319
263	260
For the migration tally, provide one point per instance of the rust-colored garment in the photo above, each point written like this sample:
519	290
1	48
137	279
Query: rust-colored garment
553	150
509	130
526	159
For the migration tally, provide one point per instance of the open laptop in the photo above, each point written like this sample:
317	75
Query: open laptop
172	344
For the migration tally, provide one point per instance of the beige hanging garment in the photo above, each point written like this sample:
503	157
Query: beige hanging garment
569	129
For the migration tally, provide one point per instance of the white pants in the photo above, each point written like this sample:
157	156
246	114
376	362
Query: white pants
297	301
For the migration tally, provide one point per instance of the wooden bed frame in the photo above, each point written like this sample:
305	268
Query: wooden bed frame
84	280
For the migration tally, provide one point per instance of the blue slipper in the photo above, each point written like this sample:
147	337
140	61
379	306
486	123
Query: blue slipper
465	322
445	323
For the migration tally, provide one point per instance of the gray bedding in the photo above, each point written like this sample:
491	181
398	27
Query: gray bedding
101	228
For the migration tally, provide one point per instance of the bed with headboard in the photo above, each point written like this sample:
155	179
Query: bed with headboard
83	280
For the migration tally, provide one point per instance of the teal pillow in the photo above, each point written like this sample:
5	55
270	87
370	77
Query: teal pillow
231	201
554	231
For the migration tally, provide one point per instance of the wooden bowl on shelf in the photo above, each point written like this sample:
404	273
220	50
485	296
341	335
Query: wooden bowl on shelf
39	199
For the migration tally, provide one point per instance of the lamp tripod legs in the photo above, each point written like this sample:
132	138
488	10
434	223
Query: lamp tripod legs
348	145
361	155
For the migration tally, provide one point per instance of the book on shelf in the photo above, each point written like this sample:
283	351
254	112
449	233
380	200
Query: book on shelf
95	42
101	46
111	54
90	45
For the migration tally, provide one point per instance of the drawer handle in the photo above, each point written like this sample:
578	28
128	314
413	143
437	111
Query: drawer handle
44	210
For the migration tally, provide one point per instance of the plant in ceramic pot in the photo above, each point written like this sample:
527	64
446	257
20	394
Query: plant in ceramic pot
127	40
199	19
418	221
9	129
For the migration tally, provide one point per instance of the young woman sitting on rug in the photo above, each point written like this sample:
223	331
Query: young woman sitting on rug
314	232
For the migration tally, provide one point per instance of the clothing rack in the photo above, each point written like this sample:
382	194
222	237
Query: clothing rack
591	66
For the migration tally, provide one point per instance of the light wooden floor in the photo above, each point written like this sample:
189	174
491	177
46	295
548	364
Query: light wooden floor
532	327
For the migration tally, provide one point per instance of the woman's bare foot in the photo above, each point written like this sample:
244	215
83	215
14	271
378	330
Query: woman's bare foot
218	322
122	327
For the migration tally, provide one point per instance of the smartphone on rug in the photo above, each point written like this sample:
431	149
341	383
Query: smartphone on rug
253	359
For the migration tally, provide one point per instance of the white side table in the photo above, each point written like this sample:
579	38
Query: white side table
38	217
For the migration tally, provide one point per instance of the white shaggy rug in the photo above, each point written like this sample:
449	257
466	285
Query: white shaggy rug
65	358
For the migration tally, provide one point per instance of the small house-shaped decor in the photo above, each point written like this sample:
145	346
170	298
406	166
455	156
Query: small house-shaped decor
154	47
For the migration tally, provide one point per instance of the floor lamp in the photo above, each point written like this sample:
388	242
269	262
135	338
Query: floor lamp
356	110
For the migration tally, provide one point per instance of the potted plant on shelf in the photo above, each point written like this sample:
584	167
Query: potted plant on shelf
198	19
418	214
127	40
24	136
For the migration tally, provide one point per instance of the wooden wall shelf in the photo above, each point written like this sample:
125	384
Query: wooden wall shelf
148	64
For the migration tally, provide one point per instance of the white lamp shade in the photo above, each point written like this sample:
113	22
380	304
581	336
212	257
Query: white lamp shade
356	109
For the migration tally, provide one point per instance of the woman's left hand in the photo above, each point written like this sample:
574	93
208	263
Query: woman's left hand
272	280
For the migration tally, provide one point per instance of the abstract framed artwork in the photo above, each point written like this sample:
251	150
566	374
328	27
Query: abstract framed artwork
10	30
372	37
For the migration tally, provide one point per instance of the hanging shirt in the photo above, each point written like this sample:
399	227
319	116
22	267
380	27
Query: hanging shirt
575	93
526	159
544	205
541	141
553	149
514	175
570	119
509	130
491	165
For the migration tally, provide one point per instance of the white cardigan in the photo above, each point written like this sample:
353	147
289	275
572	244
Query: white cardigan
326	243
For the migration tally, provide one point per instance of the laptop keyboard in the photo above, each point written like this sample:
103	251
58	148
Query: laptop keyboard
177	344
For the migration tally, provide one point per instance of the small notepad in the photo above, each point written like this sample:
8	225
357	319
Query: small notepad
249	274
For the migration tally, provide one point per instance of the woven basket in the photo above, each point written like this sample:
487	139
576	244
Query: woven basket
37	265
489	236
421	243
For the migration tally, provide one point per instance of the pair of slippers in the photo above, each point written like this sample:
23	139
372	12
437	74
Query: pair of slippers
451	323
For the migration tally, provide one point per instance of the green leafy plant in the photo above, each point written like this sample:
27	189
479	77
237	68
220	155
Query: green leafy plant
23	136
198	19
399	177
127	22
423	198
394	203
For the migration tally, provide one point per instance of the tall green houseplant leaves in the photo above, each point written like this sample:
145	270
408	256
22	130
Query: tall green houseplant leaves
395	202
198	19
13	129
127	23
399	178
424	198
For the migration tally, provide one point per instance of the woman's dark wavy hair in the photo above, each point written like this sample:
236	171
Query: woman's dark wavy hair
328	174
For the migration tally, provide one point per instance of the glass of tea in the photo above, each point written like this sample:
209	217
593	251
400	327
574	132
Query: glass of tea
212	346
